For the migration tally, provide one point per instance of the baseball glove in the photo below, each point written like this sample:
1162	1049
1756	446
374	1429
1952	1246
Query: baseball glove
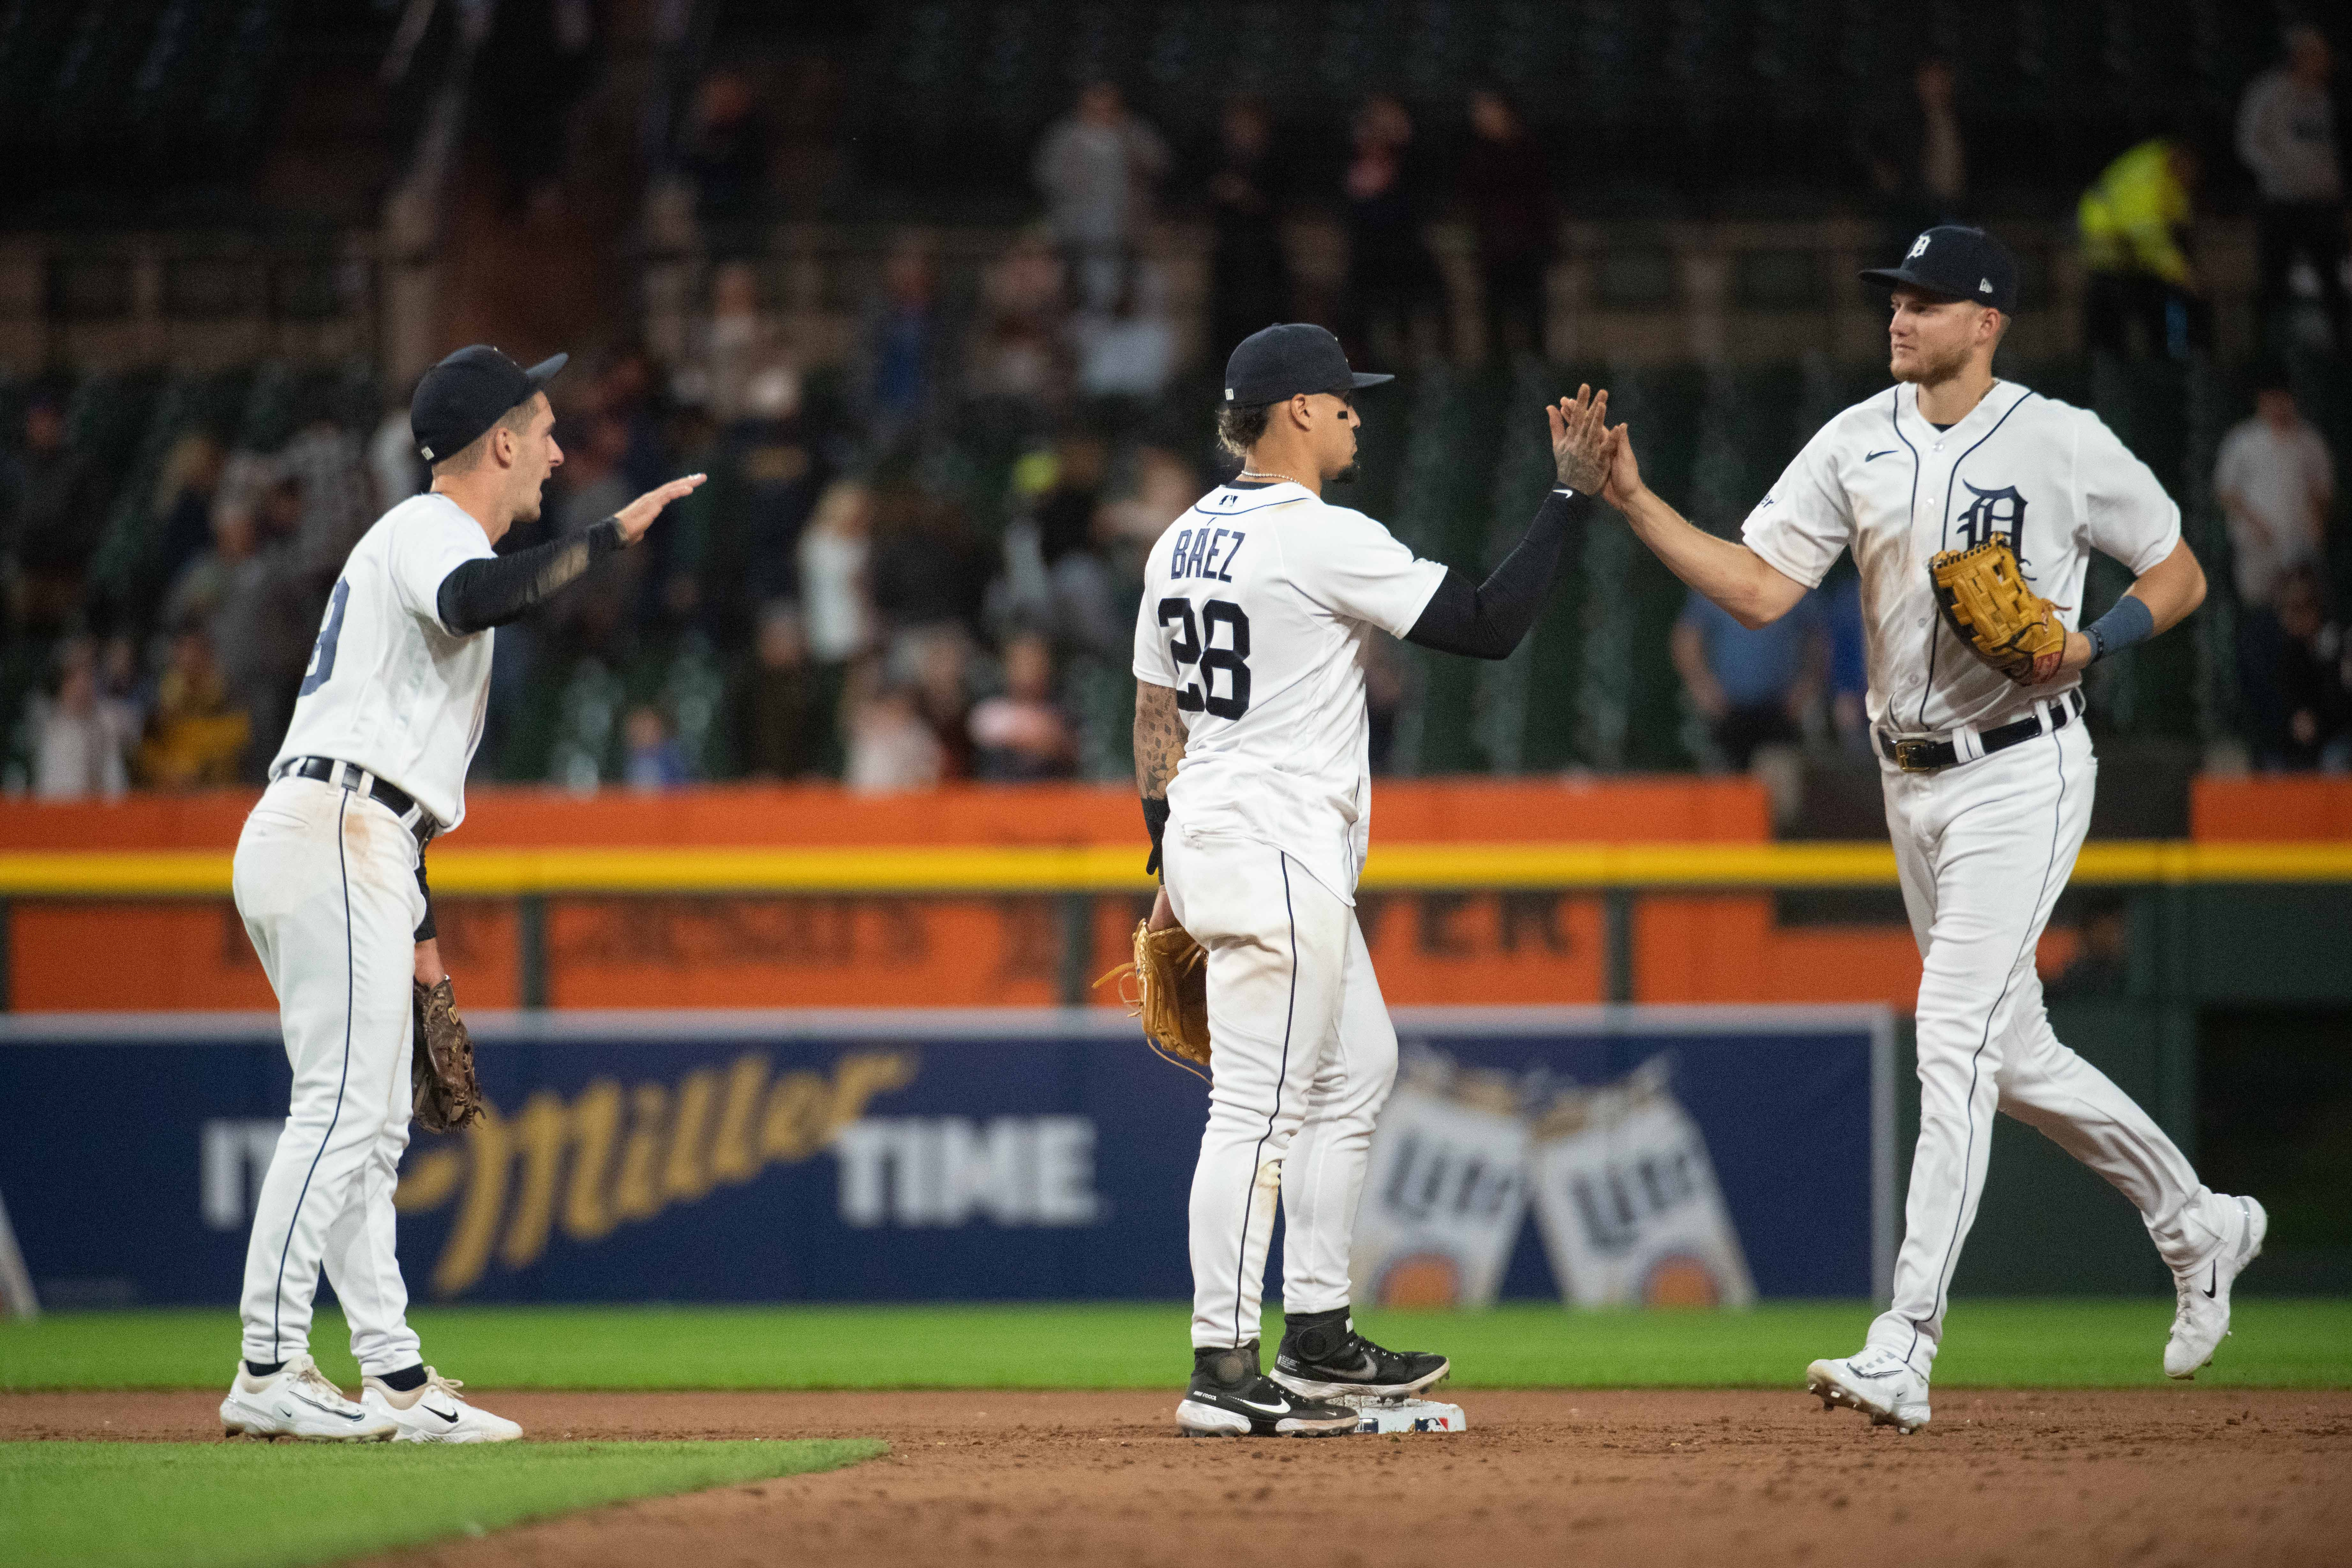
1170	971
1985	600
441	1067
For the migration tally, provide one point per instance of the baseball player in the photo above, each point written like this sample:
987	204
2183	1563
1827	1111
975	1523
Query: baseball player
1252	755
330	878
1988	778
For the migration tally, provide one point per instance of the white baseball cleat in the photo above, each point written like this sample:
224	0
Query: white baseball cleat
1878	1382
297	1402
432	1413
2201	1320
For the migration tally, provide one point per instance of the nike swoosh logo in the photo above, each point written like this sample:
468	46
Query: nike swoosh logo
2212	1281
448	1416
328	1409
1873	457
1261	1409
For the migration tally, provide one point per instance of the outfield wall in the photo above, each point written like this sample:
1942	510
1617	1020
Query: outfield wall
1682	1155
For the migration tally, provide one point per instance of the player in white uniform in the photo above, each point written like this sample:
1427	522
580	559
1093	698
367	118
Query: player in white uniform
1988	782
1252	754
330	878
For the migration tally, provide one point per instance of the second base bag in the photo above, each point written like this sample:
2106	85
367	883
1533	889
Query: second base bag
1445	1191
1627	1202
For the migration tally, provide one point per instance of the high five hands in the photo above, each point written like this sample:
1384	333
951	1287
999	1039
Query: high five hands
1583	448
639	514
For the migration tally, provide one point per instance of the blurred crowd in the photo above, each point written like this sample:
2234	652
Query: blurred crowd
916	561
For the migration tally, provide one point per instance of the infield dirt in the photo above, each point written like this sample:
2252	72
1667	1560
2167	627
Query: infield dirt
2185	1476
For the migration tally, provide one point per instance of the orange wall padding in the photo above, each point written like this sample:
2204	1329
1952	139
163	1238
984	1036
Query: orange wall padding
2270	807
1614	810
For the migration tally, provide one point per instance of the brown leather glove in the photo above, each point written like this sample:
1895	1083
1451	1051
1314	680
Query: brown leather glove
441	1066
1984	598
1171	993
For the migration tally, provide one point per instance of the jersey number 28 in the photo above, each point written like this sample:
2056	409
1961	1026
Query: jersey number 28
1188	648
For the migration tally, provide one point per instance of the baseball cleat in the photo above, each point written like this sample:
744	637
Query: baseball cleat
297	1402
2201	1320
432	1413
1878	1382
1229	1398
1323	1357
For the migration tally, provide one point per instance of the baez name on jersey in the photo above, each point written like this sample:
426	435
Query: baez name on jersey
1205	552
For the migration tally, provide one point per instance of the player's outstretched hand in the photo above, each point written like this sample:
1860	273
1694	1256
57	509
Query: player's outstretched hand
1580	439
639	514
1624	482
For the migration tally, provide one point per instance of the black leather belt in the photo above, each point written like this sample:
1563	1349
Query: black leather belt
1926	753
352	776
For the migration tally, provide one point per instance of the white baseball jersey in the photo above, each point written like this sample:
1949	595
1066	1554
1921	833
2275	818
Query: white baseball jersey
389	687
1882	481
1255	607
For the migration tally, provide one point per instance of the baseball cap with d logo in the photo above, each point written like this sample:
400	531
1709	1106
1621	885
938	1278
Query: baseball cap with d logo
1957	261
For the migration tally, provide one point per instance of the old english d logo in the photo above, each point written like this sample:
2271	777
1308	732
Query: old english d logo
1993	513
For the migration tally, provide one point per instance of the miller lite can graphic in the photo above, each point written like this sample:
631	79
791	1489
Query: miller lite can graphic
1446	1190
1627	1201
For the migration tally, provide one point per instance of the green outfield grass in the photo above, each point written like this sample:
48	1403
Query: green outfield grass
211	1505
2005	1343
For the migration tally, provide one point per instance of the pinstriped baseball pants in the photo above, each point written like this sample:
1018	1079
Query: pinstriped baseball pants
326	881
1302	1058
1984	849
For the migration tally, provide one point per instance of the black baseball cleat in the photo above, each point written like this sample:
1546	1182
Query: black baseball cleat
1228	1397
1323	1357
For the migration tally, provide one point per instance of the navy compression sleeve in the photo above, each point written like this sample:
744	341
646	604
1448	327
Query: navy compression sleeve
492	592
1486	620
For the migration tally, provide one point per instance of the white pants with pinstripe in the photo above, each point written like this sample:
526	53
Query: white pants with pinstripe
1304	1056
1984	849
327	883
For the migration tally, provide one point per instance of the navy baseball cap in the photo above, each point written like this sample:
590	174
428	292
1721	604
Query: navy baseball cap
1959	262
467	394
1284	360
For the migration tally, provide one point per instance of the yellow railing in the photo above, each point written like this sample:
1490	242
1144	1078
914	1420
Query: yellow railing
1116	868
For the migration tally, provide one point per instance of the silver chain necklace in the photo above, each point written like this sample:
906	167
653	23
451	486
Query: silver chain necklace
1254	474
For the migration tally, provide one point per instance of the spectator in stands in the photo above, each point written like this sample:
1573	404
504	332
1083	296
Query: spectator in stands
835	550
933	663
2276	484
891	748
652	759
769	473
725	152
1249	273
897	374
1128	352
2286	134
185	488
55	507
1018	357
737	343
927	569
194	737
781	724
2315	679
1021	733
1507	181
1918	160
2132	221
268	620
1096	170
1849	674
1392	280
331	466
81	736
1753	687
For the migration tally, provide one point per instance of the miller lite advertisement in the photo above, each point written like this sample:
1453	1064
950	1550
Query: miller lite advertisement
1446	1190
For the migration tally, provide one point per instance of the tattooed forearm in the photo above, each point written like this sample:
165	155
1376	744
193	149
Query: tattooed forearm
1159	740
